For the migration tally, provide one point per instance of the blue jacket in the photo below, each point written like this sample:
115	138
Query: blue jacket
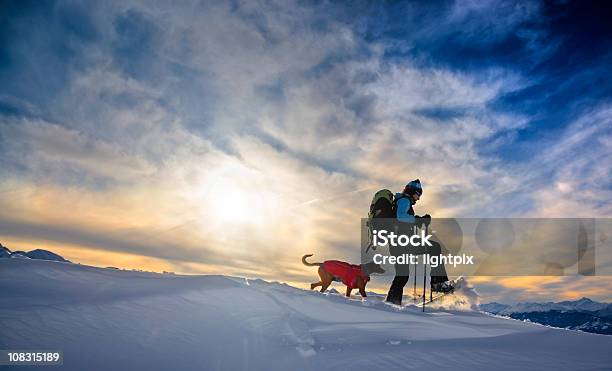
404	212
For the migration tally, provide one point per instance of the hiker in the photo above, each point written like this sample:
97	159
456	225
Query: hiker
407	220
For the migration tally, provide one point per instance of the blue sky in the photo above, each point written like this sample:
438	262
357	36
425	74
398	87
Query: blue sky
121	123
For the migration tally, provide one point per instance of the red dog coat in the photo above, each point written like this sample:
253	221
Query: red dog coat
348	273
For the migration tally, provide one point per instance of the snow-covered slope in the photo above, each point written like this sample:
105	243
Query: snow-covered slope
108	319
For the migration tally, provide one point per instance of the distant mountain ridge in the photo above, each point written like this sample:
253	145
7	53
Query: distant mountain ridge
40	254
584	304
583	314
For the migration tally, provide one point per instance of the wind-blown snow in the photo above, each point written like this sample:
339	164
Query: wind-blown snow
108	319
465	297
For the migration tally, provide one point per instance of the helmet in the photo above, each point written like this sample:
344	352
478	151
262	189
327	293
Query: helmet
413	187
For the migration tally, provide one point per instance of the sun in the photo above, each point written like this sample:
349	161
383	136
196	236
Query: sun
235	194
230	203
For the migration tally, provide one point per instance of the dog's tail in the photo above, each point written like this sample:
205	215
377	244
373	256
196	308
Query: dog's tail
309	264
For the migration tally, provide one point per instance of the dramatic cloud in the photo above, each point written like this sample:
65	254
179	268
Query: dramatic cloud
235	136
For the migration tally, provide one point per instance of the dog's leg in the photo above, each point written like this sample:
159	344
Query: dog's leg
325	285
362	284
326	278
348	291
316	284
362	292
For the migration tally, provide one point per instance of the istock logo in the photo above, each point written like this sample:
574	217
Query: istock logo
492	246
386	238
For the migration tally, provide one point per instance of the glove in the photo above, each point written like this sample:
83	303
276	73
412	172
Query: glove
425	219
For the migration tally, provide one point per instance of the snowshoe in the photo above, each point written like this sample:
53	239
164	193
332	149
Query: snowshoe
394	301
447	287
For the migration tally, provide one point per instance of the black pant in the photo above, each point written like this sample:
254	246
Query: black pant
402	271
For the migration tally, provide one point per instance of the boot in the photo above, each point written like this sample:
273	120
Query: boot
443	287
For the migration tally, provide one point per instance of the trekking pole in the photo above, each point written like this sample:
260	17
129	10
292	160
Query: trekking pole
430	276
414	294
424	271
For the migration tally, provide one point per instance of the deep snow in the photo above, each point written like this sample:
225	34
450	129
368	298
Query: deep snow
108	319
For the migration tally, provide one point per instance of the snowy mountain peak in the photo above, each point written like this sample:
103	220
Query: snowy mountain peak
4	252
45	255
493	307
39	254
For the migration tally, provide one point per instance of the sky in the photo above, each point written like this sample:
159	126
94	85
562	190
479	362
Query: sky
232	137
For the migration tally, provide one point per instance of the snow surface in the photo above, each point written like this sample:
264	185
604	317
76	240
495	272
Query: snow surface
109	319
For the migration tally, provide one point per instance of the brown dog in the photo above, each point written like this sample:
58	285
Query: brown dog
353	276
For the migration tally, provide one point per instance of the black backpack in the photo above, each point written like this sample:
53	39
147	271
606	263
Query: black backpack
382	206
